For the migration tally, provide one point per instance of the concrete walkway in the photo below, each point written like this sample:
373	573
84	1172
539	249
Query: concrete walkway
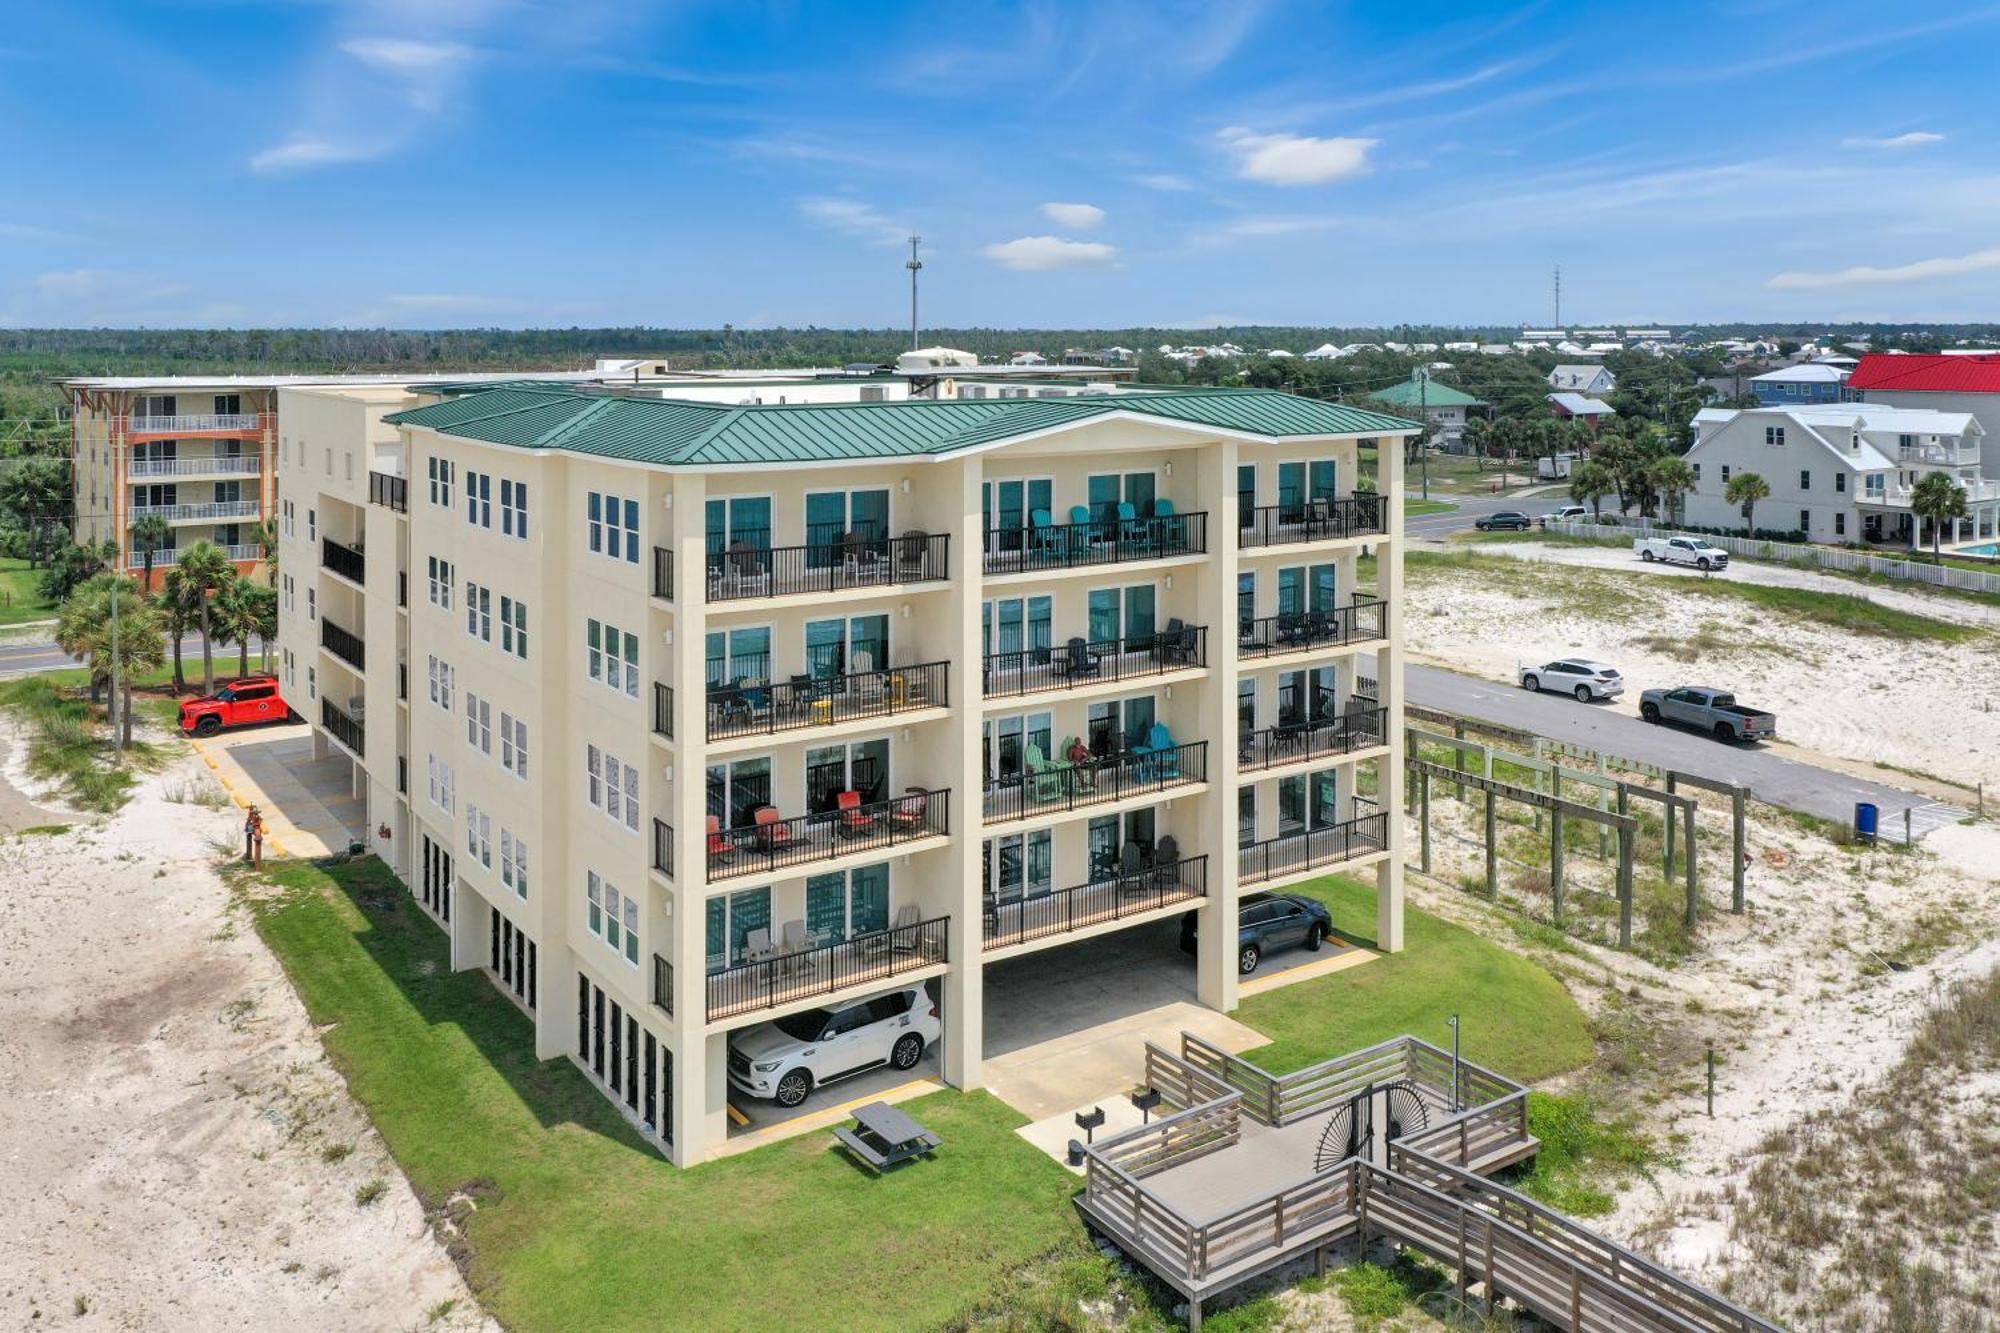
309	806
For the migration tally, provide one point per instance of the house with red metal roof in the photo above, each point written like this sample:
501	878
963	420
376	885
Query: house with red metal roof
1958	383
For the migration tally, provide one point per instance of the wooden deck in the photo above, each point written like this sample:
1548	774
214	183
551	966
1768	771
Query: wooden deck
1228	1187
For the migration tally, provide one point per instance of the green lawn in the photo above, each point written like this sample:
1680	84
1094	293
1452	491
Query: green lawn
586	1227
21	593
1516	1018
1413	508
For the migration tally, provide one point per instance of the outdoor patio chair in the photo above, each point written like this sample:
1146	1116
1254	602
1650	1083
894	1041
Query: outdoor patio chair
1169	531
1175	643
1166	862
719	846
1080	661
913	555
1084	531
1046	538
757	946
908	813
1159	757
1046	776
1132	869
796	949
854	821
1319	518
902	935
1132	530
773	833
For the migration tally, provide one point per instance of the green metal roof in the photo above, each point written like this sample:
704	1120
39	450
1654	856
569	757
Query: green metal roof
678	433
1419	394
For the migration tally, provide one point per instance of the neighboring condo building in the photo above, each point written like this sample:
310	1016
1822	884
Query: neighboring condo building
682	716
1839	472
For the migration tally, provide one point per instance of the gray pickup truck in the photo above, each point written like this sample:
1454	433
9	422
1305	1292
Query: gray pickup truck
1713	711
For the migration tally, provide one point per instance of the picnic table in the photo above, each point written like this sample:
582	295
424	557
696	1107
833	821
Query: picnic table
883	1136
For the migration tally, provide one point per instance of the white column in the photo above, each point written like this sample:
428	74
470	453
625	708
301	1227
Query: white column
1215	607
964	1041
700	1115
1389	693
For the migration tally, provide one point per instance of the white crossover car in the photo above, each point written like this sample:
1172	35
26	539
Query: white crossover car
784	1060
1575	676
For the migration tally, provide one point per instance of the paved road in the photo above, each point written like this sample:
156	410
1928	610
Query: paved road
1766	770
22	659
1470	508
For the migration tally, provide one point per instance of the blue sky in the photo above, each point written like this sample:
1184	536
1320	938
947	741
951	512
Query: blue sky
432	163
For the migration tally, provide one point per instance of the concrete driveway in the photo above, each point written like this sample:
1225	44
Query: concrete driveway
309	806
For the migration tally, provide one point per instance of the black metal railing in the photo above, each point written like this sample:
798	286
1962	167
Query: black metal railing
346	561
745	570
343	728
1311	520
403	680
387	490
1059	784
1311	848
1096	542
402	587
812	700
783	978
663	983
343	645
775	843
403	775
1101	900
663	573
663	710
663	847
1081	661
1357	622
1289	742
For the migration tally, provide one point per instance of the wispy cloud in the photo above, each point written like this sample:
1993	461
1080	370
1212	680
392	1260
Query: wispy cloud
403	54
1865	275
1914	139
1077	217
852	217
27	231
302	152
1041	254
1166	182
451	302
1295	159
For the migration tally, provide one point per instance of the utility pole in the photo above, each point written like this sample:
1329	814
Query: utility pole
117	732
1424	415
1559	296
914	265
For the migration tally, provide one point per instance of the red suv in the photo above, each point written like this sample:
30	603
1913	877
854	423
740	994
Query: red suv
240	703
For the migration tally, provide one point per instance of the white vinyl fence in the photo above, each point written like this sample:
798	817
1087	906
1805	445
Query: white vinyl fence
1823	557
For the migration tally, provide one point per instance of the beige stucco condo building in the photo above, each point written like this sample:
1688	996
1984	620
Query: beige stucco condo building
680	716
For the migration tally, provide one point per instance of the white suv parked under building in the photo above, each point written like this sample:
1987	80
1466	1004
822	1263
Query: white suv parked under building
783	1061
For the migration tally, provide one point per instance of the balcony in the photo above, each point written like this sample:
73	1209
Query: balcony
1060	785
663	710
663	574
819	701
389	491
168	557
1314	521
772	843
1118	898
346	561
1309	849
343	645
745	570
218	511
1097	542
216	465
1297	631
343	728
1178	647
809	973
663	983
663	847
1295	742
214	423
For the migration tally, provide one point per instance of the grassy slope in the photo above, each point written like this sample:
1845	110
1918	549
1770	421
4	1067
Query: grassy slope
592	1229
1517	1019
21	593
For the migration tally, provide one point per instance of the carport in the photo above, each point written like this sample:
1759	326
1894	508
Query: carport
310	806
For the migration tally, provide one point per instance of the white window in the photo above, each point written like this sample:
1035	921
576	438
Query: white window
440	783
613	787
478	612
291	516
441	476
479	499
478	723
514	863
312	682
595	794
440	582
312	525
632	931
1774	436
514	628
312	604
514	508
613	916
478	835
614	921
612	656
440	682
594	893
514	745
613	525
290	591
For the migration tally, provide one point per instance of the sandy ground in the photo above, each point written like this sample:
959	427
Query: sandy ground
175	1150
1792	994
1929	708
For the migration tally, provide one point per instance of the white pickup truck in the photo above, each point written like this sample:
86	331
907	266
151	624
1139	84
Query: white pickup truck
1681	551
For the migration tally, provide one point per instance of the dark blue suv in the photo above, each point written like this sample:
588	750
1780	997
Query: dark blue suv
1267	921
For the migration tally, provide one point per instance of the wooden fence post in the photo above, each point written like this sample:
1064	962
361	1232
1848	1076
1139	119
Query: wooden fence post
1670	831
1693	899
1625	884
1739	851
1492	851
1556	863
1424	821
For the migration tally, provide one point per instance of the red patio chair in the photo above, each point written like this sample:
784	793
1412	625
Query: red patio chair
719	847
772	830
908	813
854	821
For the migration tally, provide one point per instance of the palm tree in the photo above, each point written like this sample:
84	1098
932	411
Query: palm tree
180	608
207	571
1937	497
1589	483
264	532
1746	489
263	606
85	629
234	614
1672	478
149	534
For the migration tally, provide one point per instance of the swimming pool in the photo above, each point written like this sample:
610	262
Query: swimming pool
1984	548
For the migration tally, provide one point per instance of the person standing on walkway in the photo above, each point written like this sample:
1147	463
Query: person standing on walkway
253	837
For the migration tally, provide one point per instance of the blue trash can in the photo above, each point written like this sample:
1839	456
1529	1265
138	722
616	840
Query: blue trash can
1867	818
